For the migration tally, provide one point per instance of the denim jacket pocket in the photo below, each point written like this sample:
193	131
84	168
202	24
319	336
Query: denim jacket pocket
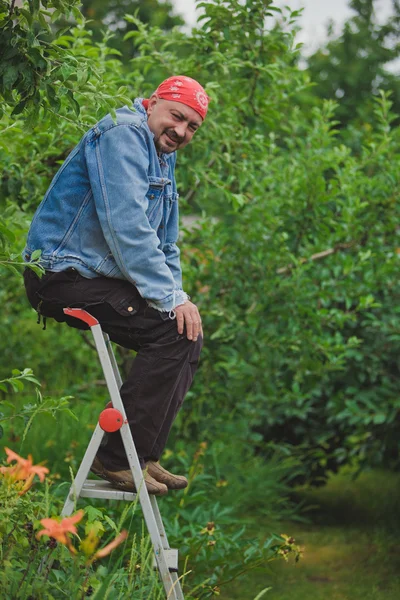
107	267
155	196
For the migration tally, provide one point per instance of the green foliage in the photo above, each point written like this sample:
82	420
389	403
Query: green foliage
106	14
245	62
47	568
215	552
29	411
10	230
39	73
16	381
354	66
348	540
207	521
299	291
294	265
30	61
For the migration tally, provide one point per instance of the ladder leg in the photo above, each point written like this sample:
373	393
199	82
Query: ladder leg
171	587
164	539
83	472
170	583
112	360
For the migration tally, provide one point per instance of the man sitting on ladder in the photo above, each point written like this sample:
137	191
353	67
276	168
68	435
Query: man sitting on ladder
107	229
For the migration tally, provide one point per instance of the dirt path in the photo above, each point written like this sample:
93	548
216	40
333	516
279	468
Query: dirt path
351	545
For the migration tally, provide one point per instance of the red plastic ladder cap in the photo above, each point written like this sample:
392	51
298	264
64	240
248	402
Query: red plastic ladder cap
110	420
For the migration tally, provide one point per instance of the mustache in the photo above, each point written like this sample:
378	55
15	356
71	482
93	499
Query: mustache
176	138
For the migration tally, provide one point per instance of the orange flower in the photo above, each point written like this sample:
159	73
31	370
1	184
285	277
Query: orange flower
59	530
24	469
111	546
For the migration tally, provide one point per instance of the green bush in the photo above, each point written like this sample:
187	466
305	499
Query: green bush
213	546
299	290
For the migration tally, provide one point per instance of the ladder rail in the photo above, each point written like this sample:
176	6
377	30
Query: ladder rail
83	472
113	360
133	460
163	534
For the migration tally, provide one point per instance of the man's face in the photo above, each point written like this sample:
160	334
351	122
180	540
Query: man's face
172	123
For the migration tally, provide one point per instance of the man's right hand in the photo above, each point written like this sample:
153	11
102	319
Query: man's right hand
188	315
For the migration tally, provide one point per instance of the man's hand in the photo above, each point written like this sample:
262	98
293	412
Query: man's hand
188	314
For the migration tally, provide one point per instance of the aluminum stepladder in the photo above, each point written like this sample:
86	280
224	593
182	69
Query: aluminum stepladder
114	419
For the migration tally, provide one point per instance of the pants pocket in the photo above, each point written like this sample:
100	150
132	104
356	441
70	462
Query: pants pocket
126	302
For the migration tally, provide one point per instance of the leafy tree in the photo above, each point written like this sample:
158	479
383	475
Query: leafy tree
103	14
353	67
39	73
30	61
42	79
300	290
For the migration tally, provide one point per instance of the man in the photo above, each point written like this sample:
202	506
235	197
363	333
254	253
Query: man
107	230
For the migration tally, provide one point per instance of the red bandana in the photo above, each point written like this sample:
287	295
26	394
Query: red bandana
185	90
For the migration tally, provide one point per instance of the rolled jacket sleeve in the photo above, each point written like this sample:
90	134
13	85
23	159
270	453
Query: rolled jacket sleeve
118	162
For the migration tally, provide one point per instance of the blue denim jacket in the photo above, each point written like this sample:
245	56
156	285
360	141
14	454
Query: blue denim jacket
112	210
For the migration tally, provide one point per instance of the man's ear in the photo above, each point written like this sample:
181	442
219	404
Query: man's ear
152	102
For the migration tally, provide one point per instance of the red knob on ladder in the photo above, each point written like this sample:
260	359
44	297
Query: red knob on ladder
110	420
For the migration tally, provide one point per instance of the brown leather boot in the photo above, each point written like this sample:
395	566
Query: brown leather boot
123	480
173	482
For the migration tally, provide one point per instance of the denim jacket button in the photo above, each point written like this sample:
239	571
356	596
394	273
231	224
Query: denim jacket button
151	196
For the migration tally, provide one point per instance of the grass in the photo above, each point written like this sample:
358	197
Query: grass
351	545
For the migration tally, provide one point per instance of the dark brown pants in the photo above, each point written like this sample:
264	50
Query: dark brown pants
162	370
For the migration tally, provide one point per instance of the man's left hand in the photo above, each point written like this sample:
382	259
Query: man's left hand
188	315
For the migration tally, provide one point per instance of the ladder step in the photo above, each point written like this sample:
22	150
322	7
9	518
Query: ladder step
103	489
171	555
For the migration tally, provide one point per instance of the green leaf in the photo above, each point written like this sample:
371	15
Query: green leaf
262	593
379	419
111	523
20	107
36	254
44	22
93	514
10	76
27	15
94	526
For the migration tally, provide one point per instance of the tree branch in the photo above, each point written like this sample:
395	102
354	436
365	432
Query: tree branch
95	382
87	341
318	256
194	189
